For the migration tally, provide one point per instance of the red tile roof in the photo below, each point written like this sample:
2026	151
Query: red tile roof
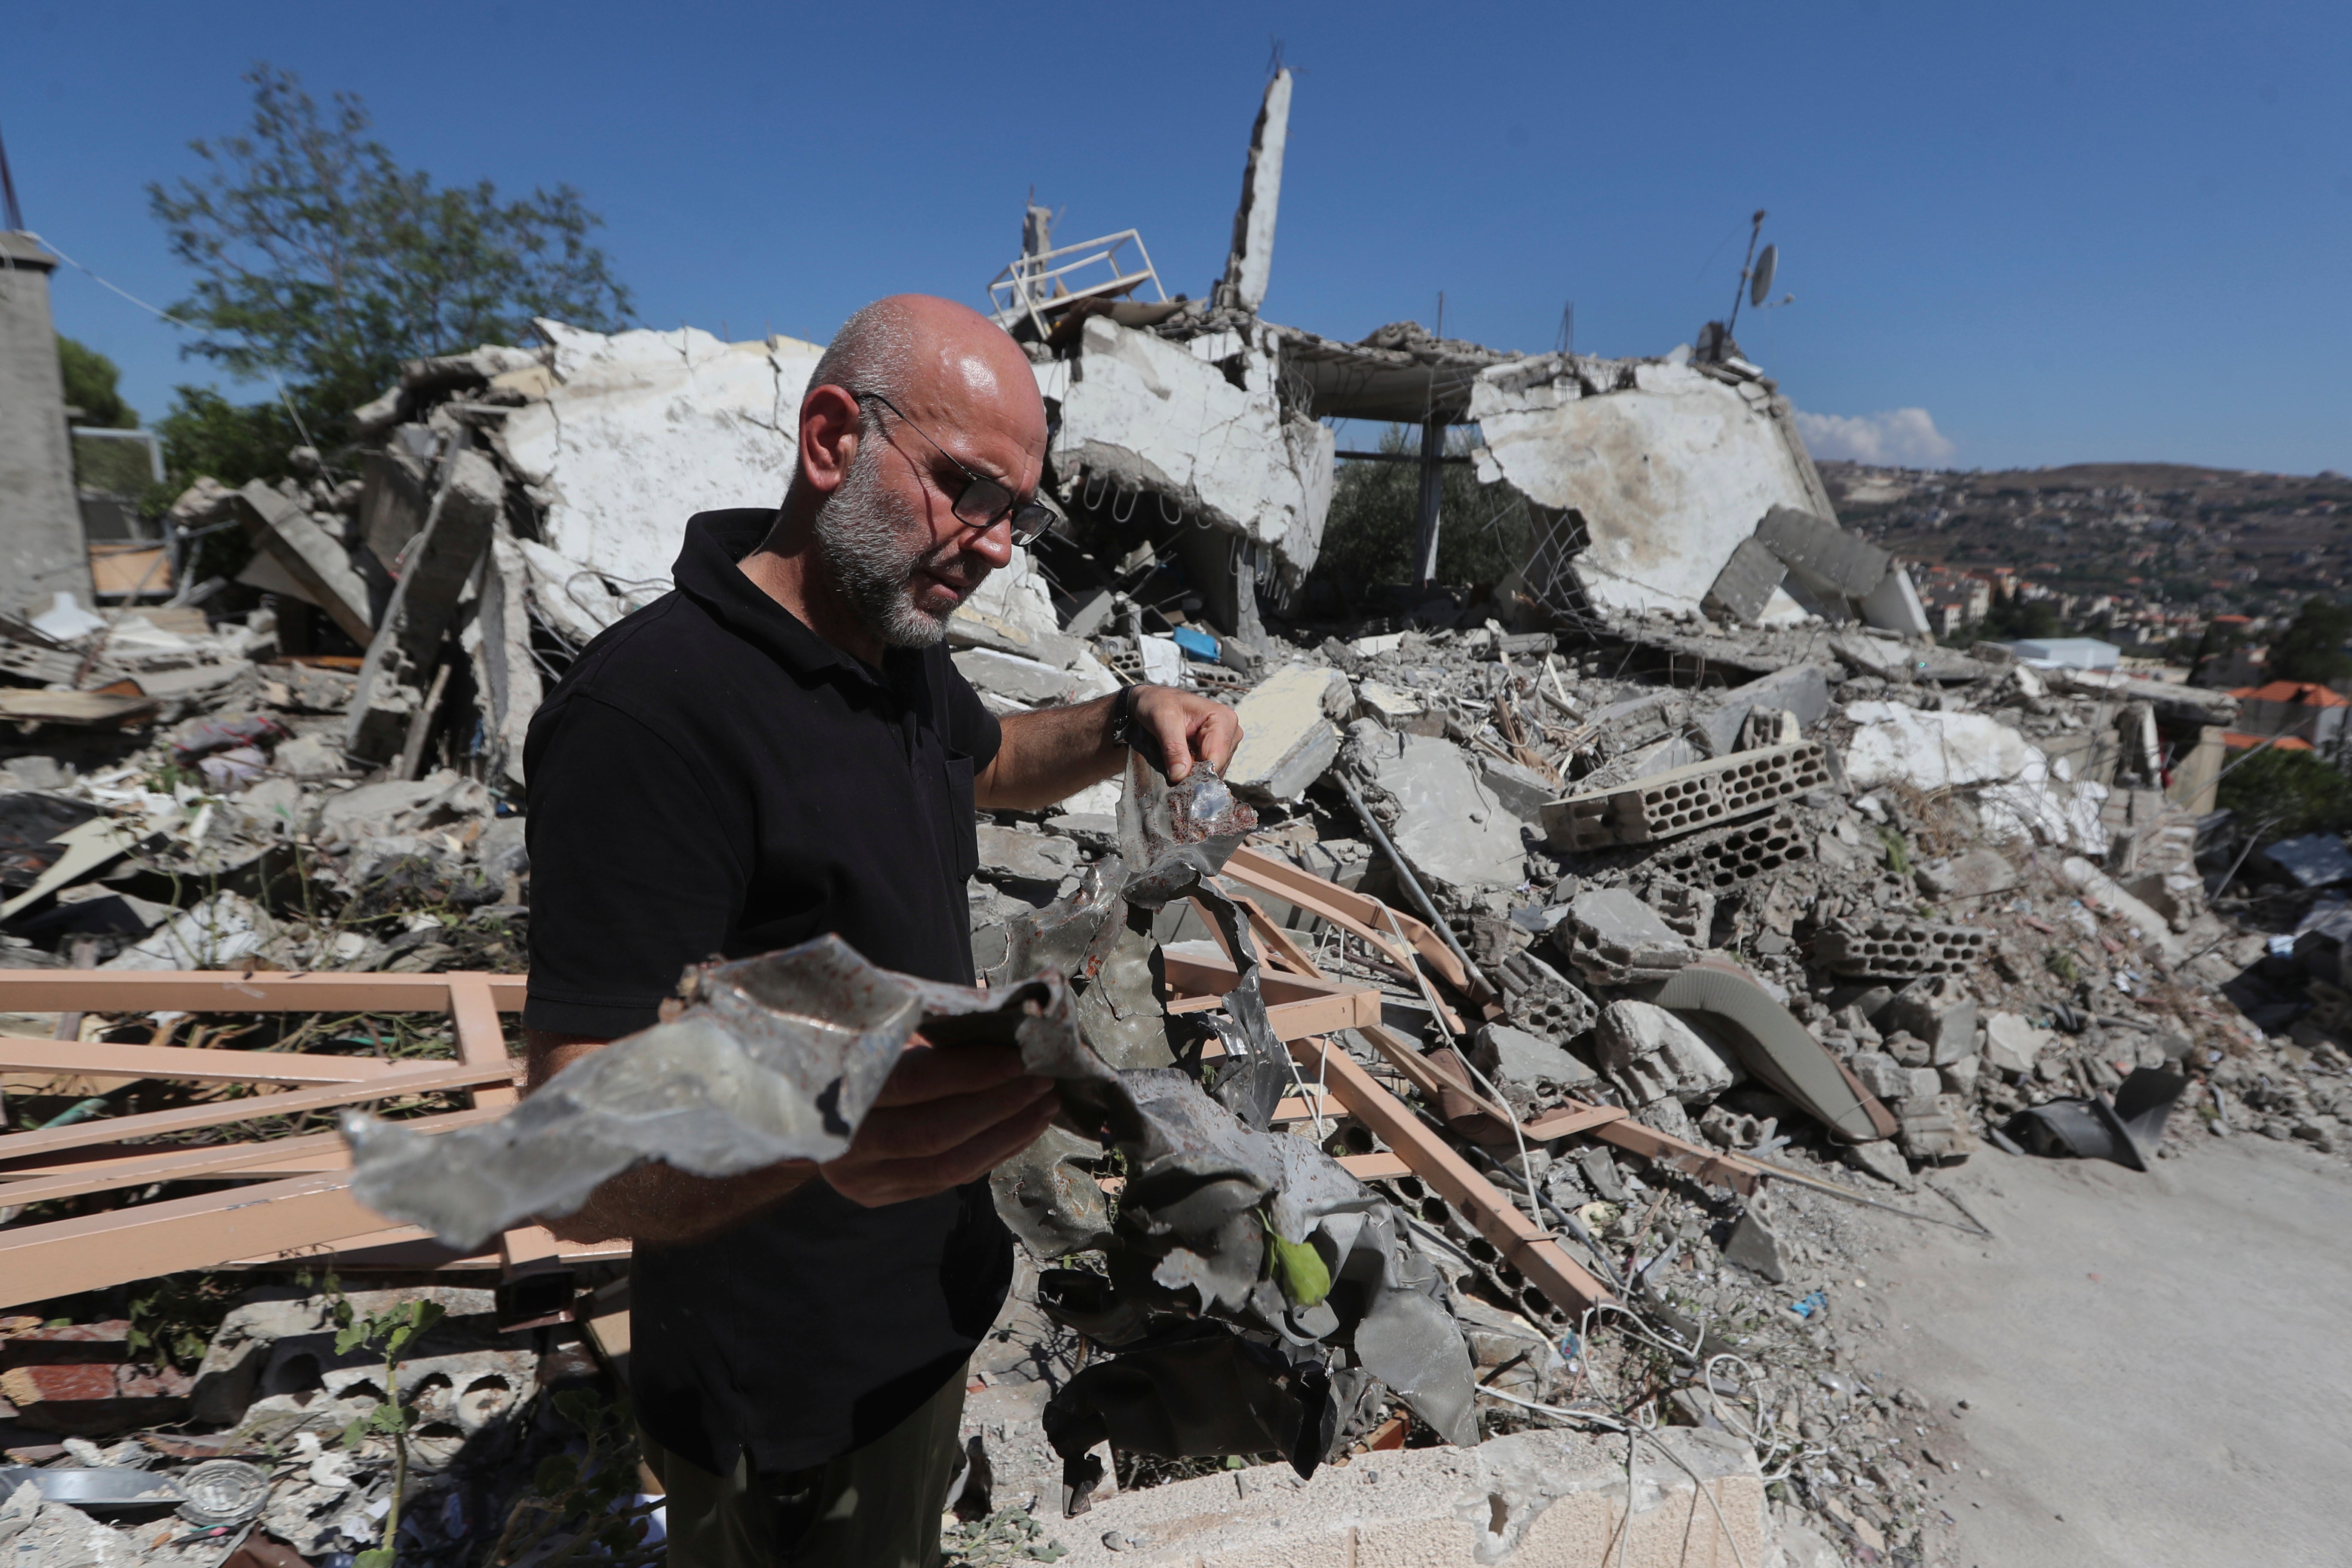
2302	693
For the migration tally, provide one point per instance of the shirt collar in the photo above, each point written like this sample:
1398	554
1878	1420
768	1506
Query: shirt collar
707	573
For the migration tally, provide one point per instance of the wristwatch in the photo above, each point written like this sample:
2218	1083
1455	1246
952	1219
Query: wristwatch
1122	714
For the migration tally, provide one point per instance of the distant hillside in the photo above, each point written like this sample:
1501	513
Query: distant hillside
2167	532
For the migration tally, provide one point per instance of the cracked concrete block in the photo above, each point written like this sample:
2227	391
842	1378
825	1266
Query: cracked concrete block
1895	604
1900	744
1531	1500
1025	862
1882	1074
1654	1056
2013	1044
1753	1246
437	563
506	674
1450	827
1511	1056
1523	791
1970	875
310	556
1615	939
1746	582
1938	1011
1287	736
1026	680
1881	1159
1819	551
1394	709
2097	888
1802	690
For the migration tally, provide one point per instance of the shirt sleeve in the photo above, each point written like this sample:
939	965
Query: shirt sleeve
634	872
971	728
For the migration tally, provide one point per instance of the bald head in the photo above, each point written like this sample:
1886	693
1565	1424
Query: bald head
868	548
920	348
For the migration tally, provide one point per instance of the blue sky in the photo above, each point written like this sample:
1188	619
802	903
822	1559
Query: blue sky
2066	233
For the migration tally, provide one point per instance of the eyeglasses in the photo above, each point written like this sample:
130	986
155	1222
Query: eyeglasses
983	499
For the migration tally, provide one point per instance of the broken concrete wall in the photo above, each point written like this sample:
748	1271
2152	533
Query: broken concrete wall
437	564
628	436
1251	262
1151	415
1669	467
41	549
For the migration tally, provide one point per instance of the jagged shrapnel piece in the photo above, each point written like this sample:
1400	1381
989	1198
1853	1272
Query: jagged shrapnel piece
1742	854
1892	949
1685	799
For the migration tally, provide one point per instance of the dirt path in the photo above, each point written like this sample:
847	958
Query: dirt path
2159	1367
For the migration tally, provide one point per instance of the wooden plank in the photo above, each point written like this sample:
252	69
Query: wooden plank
191	1118
474	1015
1279	943
1560	1124
1192	975
238	991
1375	1167
282	1218
194	1064
1354	912
1297	1020
98	1170
1431	1159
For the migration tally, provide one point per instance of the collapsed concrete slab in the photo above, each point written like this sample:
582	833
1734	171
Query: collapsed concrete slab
1287	736
1450	827
629	434
310	556
1650	473
1146	415
437	562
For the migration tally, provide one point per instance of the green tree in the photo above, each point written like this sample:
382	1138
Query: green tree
322	264
2279	794
2313	648
1375	510
91	379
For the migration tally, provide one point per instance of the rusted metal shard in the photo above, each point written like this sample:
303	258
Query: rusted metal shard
775	1057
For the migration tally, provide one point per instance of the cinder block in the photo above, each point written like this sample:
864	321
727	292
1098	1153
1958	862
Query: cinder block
1685	799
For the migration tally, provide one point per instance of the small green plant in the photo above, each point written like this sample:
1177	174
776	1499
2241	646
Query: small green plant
173	1319
390	1330
1898	853
1009	1535
2061	963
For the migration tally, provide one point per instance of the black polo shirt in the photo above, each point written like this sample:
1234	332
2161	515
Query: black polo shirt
712	778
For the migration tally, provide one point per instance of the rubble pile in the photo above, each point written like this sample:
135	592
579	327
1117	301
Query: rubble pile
273	1448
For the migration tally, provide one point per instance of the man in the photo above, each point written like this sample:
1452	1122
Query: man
779	749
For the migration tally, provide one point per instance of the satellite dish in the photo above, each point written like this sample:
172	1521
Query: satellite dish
1760	282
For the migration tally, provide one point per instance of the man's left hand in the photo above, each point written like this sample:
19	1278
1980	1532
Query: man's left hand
1188	727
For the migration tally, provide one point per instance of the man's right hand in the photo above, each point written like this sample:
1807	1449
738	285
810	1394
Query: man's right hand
945	1116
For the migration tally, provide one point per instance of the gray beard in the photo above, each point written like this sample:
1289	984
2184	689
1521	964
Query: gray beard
872	543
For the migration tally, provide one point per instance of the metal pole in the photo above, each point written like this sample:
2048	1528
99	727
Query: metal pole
1424	539
1404	875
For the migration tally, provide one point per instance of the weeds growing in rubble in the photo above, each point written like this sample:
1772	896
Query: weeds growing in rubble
175	1317
391	1330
